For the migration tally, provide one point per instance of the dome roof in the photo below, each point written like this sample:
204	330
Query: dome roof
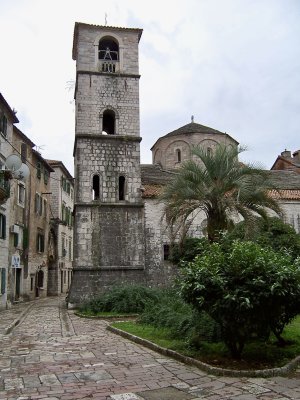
193	128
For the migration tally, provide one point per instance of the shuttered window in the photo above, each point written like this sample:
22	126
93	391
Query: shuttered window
2	226
3	280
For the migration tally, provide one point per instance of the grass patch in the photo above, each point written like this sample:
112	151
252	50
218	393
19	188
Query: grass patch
160	336
256	355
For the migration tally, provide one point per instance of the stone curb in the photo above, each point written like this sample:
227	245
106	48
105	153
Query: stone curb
81	315
260	373
17	320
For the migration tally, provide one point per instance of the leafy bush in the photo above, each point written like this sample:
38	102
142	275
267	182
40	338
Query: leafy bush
188	249
272	232
122	299
249	290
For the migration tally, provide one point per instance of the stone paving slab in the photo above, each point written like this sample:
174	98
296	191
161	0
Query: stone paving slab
168	393
55	355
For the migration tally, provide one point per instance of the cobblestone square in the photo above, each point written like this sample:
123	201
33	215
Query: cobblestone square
47	352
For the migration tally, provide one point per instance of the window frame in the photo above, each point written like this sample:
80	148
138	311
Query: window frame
21	189
40	242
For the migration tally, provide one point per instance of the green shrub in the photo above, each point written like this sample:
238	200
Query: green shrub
272	232
249	290
188	249
183	321
122	299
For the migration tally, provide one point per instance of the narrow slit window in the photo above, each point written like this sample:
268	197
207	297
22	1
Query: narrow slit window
178	156
122	188
166	251
96	187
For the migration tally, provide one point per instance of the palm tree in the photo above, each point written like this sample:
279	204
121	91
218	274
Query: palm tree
221	186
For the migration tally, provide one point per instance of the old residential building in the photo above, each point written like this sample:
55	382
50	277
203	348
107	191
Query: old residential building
19	221
39	222
32	264
7	119
61	232
288	161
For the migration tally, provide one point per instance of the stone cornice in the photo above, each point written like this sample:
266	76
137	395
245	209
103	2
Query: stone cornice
98	204
99	136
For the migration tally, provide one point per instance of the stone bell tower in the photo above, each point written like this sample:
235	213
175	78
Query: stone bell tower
109	215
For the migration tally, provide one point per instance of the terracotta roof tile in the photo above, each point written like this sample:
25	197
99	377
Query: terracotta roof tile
286	194
152	191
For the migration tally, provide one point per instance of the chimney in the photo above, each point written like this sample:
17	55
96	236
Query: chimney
286	154
296	156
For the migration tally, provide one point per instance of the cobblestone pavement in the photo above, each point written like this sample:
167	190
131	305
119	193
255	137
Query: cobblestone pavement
53	354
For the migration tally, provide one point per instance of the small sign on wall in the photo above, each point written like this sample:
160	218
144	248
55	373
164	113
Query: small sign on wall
15	261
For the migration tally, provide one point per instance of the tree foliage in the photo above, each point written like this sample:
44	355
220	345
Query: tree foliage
249	290
272	232
218	184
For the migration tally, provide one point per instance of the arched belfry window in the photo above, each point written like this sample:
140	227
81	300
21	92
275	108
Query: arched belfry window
108	49
121	187
96	187
178	156
109	122
108	53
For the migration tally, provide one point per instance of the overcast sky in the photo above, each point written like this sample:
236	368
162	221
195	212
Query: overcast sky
233	64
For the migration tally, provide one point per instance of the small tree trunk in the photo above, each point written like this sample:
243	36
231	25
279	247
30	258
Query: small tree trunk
235	348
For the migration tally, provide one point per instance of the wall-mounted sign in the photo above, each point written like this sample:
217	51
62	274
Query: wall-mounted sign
15	261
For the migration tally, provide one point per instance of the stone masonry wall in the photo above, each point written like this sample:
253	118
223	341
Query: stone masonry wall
109	157
97	92
87	284
109	236
164	151
88	40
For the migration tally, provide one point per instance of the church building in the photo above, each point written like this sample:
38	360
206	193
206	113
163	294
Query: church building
120	232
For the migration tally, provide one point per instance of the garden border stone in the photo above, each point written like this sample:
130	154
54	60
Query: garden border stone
259	373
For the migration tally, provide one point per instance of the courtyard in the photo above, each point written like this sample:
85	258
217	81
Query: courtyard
47	352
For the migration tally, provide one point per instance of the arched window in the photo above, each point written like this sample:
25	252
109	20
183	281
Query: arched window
109	119
178	156
121	187
209	151
108	54
96	187
108	49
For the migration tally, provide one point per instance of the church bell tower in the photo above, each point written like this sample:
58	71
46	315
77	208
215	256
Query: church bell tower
109	243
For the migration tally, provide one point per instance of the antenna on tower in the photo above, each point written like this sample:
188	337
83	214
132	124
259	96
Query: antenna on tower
105	19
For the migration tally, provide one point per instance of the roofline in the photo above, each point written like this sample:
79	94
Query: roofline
108	28
23	136
284	160
40	157
8	108
60	164
191	133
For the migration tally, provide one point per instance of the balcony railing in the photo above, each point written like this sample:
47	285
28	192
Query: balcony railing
108	66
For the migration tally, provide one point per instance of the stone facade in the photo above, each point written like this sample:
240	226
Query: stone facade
171	150
7	119
109	222
19	221
60	254
38	230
